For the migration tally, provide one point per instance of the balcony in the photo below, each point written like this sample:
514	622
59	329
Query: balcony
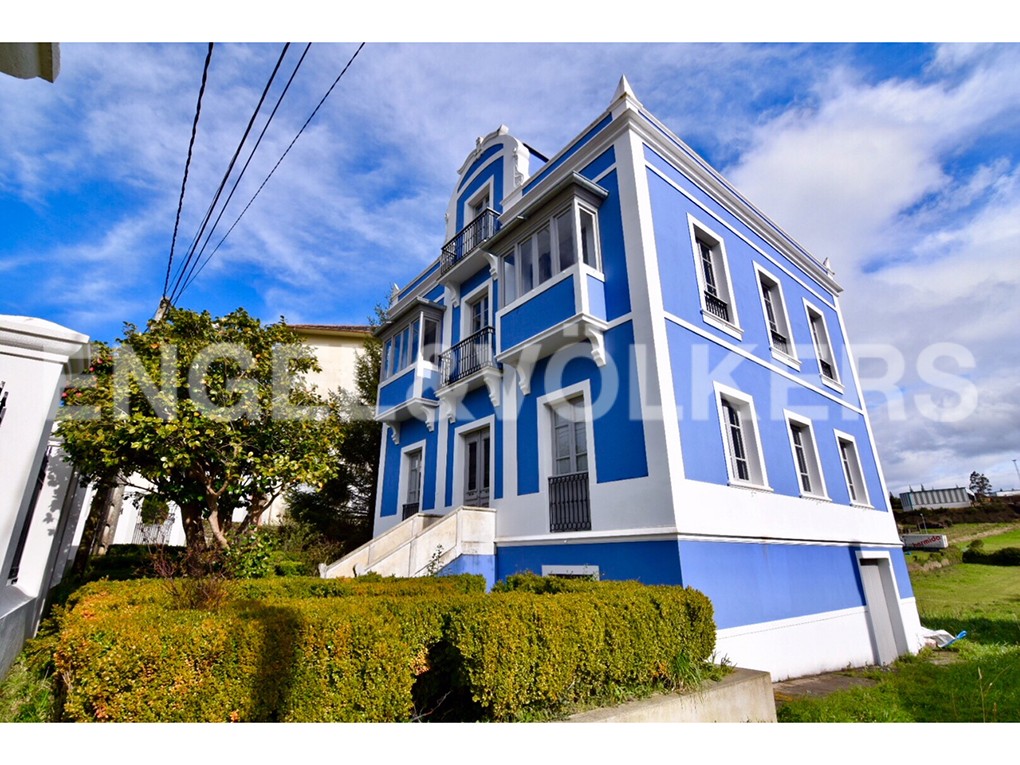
716	307
569	506
468	239
470	364
408	509
463	256
780	343
469	356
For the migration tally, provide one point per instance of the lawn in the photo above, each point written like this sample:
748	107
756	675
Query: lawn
976	680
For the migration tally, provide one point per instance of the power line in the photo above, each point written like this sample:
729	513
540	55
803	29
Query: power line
189	261
240	175
286	151
187	165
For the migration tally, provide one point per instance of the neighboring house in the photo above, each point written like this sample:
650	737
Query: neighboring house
638	376
936	499
41	500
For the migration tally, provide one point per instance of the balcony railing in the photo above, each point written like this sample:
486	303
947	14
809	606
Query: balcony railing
826	369
717	307
780	343
3	400
408	510
469	356
468	239
569	508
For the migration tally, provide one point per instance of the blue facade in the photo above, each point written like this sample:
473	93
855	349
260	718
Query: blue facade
646	379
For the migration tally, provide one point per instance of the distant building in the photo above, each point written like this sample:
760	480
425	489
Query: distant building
936	499
617	367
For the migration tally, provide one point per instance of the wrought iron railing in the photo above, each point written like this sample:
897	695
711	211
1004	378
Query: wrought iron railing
468	239
153	533
780	343
469	356
569	508
717	307
409	509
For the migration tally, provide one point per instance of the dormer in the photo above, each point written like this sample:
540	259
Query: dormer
498	166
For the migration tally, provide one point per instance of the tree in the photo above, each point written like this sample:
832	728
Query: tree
980	486
343	507
213	413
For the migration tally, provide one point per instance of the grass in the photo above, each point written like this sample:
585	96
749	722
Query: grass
975	680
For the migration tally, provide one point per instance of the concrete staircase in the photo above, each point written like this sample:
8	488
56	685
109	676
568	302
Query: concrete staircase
423	544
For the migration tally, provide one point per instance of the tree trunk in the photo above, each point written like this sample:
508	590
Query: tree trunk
93	524
194	529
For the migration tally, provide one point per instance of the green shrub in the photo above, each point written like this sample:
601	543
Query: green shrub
303	649
248	556
1007	556
518	654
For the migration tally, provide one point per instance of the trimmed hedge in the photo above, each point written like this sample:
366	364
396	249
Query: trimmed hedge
1007	556
518	654
307	650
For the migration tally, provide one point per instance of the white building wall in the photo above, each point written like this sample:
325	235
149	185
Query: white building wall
36	357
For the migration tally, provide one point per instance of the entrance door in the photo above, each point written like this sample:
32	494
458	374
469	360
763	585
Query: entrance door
876	578
476	464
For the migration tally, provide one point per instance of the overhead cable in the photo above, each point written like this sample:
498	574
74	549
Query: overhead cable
286	151
183	272
187	165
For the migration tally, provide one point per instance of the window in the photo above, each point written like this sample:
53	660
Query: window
478	314
549	250
823	348
744	462
476	466
569	505
403	348
776	320
430	340
717	304
412	500
852	471
570	443
805	456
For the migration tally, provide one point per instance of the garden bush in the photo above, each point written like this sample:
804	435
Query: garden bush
1007	556
371	649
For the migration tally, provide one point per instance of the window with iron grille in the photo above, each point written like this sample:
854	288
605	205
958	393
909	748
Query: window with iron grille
569	504
823	348
776	320
717	304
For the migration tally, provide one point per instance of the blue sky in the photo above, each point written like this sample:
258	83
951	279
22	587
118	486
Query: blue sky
899	163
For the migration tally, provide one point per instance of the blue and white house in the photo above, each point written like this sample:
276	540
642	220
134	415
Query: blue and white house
618	367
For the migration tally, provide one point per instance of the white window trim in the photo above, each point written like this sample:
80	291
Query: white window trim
578	267
699	230
405	452
465	308
746	403
788	358
792	418
832	382
487	189
572	571
415	357
545	405
460	455
863	483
